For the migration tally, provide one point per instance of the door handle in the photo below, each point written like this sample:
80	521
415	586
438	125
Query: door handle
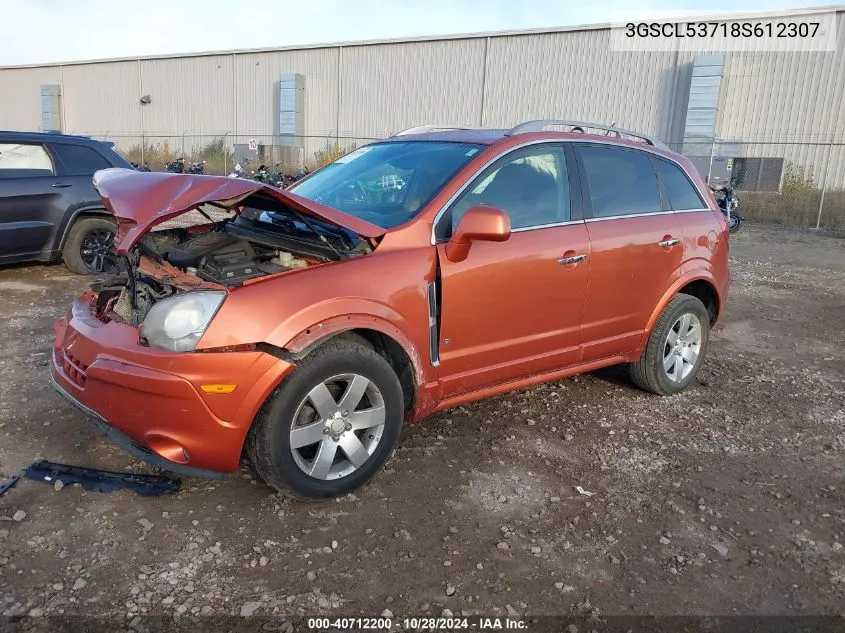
572	260
668	243
60	185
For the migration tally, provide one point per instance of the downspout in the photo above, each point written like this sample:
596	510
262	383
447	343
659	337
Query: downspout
483	82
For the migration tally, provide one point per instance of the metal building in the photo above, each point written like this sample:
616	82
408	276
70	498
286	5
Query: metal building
310	102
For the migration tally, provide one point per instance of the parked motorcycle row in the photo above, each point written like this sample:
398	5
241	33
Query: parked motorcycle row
175	167
274	177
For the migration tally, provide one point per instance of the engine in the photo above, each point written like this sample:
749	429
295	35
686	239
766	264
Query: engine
222	258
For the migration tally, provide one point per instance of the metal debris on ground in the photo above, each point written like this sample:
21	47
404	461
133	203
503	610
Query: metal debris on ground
586	493
98	480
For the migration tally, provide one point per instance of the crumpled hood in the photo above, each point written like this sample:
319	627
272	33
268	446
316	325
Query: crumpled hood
141	200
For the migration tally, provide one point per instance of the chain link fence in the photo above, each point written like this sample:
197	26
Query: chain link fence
796	183
219	153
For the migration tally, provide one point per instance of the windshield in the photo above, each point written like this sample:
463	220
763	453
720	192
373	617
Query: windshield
387	183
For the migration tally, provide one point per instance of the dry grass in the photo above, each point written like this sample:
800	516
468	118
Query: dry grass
798	209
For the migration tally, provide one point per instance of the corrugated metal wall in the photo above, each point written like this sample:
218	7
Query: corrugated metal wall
577	76
191	95
101	98
788	104
20	96
370	90
389	87
256	95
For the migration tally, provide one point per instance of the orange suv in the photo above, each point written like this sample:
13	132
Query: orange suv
436	267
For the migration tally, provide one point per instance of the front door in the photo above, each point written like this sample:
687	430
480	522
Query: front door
30	202
513	308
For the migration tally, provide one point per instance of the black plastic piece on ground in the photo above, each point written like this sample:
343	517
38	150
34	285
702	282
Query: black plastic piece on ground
97	480
10	483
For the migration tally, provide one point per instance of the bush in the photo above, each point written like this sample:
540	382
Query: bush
219	159
797	209
798	179
323	157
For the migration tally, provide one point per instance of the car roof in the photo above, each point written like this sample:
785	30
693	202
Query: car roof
48	137
481	136
489	136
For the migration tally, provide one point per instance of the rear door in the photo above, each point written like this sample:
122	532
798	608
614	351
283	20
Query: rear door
513	309
703	233
32	200
636	244
76	165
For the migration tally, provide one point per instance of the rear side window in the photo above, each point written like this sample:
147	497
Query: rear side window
79	160
682	195
21	160
622	182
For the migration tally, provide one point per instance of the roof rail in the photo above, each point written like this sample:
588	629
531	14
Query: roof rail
426	129
541	124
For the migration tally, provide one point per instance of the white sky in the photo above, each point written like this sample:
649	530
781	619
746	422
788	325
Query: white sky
39	31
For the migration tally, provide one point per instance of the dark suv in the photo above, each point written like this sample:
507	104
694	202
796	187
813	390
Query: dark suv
49	208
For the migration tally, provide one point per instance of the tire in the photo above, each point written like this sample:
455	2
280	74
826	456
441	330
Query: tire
83	252
649	372
735	223
291	406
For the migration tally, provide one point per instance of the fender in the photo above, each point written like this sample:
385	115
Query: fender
684	277
64	229
323	323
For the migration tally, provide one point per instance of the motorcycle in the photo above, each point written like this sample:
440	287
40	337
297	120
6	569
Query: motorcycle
728	203
197	168
176	167
239	172
267	176
289	179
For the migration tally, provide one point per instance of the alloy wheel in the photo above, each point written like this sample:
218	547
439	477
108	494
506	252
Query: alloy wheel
682	347
337	426
97	251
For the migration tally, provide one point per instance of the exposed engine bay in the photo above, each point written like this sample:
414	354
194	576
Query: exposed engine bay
252	245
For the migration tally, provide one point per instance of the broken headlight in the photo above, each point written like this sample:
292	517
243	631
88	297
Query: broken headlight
178	322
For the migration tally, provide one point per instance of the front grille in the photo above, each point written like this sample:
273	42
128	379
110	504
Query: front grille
74	368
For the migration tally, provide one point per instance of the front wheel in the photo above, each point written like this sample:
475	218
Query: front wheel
89	247
734	223
331	425
675	349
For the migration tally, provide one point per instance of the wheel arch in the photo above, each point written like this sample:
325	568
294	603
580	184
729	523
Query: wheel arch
382	336
700	284
85	212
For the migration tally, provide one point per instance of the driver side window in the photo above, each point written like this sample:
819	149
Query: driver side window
531	185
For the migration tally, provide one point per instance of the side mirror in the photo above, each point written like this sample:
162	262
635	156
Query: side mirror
481	223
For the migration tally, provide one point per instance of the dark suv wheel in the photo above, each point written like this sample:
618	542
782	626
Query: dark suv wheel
89	248
331	425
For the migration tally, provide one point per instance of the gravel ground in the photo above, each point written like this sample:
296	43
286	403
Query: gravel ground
726	499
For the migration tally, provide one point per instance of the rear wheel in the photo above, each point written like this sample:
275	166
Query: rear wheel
331	425
89	248
676	347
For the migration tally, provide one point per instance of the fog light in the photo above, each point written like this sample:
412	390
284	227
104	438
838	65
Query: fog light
218	388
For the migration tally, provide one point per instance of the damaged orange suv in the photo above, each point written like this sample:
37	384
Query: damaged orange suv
436	267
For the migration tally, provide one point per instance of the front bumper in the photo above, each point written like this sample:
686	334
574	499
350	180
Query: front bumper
150	402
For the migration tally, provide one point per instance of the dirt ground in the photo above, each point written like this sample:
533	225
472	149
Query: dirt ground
726	499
